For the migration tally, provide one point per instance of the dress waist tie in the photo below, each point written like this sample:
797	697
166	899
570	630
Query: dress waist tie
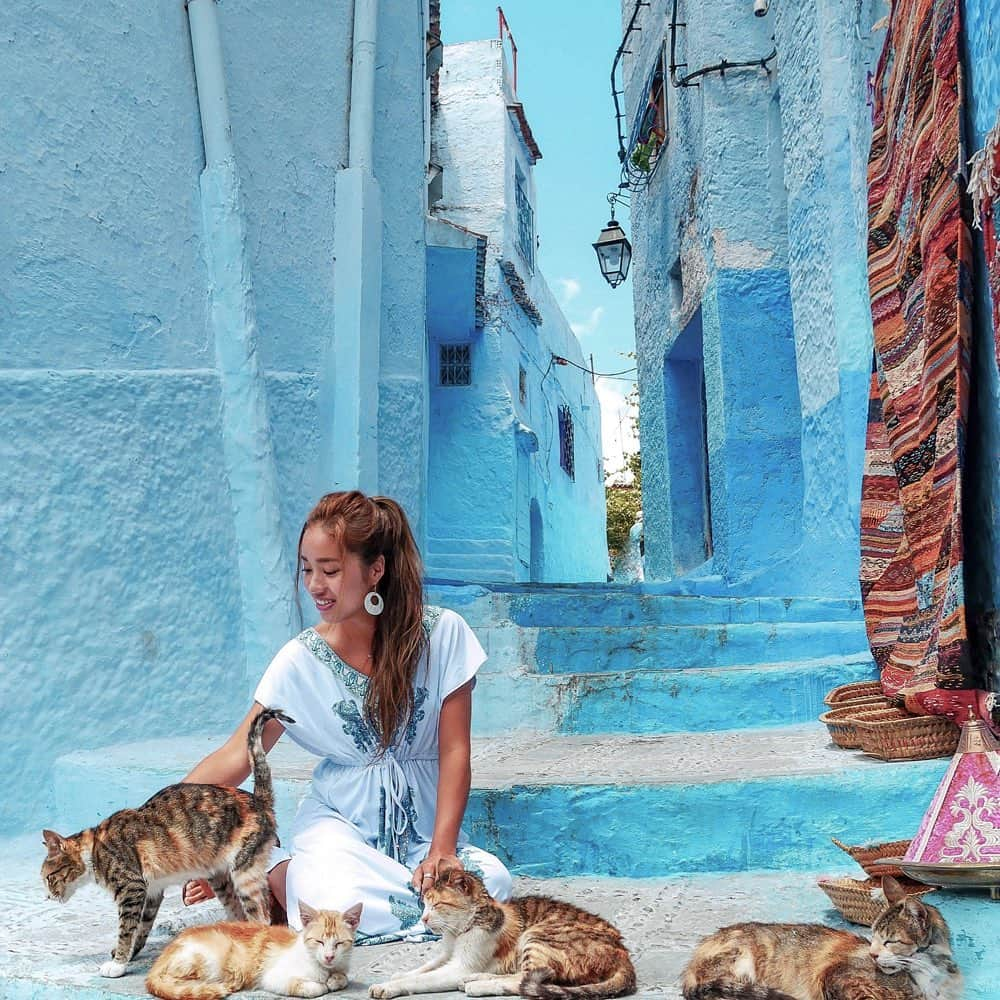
397	815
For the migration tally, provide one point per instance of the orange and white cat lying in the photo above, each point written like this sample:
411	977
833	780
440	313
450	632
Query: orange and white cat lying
533	946
209	963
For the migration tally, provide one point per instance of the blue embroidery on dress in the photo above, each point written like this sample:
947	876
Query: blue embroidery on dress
417	715
470	864
432	615
393	842
356	727
354	681
406	911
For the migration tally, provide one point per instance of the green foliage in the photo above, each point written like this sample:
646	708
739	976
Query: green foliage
624	504
624	501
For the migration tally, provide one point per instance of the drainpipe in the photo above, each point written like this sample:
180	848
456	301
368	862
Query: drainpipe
264	569
349	379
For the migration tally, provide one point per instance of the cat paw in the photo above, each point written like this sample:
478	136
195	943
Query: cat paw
335	982
486	987
310	989
385	991
112	969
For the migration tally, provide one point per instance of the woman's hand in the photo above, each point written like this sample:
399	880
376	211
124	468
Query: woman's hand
436	863
197	891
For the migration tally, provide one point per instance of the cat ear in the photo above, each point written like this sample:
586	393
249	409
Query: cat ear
894	892
464	882
917	910
52	841
352	917
306	913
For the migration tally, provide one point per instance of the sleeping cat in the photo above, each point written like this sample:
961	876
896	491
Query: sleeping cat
184	831
533	946
908	958
209	963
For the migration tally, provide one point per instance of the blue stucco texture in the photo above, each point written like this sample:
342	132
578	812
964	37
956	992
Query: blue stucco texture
80	204
756	210
121	610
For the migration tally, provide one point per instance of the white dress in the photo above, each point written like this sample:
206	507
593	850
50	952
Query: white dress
366	822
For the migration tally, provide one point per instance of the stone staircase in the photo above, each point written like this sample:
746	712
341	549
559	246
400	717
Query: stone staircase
655	758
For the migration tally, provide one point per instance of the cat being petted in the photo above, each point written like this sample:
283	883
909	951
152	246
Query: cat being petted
209	963
184	831
908	958
533	946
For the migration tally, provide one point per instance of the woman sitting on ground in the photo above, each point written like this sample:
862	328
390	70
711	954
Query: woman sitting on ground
381	692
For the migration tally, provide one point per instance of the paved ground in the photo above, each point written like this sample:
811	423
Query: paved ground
51	951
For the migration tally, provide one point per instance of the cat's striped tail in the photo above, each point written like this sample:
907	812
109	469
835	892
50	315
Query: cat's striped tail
535	983
263	789
737	989
163	982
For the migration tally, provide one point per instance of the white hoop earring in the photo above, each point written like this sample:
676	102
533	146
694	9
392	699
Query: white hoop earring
374	604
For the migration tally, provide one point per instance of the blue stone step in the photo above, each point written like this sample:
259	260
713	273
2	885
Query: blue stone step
600	649
604	805
662	701
602	604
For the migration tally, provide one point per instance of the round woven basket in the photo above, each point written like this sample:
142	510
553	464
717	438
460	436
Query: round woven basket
856	689
862	902
842	721
870	856
896	735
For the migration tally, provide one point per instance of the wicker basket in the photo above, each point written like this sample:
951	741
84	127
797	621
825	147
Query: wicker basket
862	902
856	689
895	735
870	856
842	721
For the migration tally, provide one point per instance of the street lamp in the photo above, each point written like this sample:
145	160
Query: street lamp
614	252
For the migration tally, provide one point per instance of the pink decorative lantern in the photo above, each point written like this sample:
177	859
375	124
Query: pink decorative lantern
958	842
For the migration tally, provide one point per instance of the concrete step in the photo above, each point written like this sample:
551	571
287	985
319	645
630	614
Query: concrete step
609	649
602	604
628	806
51	952
661	701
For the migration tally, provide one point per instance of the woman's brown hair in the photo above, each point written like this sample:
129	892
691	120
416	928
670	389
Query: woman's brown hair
370	527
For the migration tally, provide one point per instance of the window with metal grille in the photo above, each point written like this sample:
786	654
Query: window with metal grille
522	385
566	457
455	364
525	219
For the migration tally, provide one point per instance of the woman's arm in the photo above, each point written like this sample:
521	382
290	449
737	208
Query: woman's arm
454	779
230	764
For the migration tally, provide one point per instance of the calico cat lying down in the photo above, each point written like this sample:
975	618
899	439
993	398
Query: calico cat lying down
184	831
908	958
533	946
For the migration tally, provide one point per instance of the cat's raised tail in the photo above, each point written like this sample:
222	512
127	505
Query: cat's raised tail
535	983
737	989
263	790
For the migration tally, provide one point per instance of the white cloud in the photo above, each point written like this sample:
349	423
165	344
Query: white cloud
617	432
590	324
569	290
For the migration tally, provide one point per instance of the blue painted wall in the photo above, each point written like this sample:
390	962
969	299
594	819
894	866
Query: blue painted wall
754	213
982	49
496	490
121	614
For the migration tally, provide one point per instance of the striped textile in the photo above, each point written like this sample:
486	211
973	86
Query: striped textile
918	269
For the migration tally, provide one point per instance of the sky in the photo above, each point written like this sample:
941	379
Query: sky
565	49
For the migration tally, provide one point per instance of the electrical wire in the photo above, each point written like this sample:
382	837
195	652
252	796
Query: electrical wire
558	360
